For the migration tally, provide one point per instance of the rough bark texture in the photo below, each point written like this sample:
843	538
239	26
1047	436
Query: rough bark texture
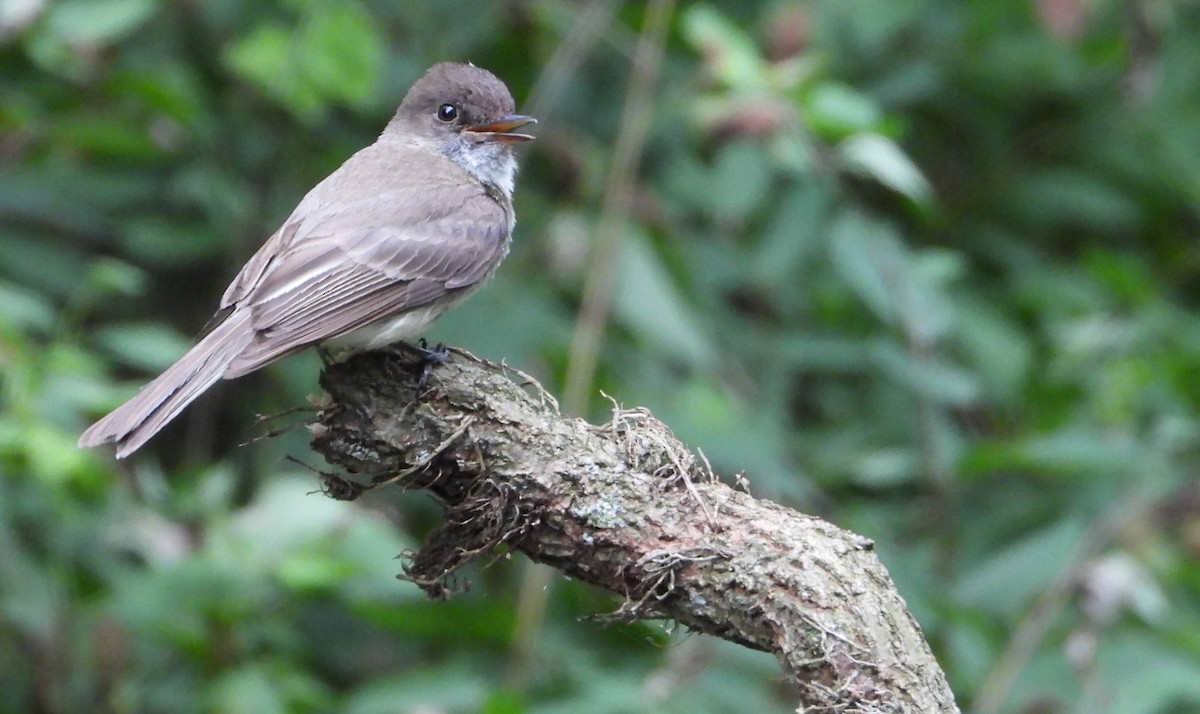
625	507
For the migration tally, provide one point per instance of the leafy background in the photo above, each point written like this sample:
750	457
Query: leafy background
925	268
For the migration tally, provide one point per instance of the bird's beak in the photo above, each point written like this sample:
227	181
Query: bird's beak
501	130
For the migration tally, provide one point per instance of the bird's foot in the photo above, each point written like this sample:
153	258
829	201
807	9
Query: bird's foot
430	358
439	353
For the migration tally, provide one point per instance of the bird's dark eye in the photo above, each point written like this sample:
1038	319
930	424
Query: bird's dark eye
447	112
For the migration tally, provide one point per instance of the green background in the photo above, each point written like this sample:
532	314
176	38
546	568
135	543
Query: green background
927	269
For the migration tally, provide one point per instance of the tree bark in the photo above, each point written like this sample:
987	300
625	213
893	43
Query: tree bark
626	507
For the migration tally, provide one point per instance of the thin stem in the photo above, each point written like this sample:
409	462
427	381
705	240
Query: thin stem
597	293
569	54
618	199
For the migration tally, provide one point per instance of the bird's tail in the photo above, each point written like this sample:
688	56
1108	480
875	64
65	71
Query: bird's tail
134	422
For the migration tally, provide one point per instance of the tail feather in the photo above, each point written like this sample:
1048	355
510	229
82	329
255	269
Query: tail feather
134	422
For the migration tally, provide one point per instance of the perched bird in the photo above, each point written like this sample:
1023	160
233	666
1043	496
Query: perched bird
406	229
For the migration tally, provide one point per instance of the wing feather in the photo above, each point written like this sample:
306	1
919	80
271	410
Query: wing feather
380	254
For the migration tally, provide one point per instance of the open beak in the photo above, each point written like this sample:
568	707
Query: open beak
501	130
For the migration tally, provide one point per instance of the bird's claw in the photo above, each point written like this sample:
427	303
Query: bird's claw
430	358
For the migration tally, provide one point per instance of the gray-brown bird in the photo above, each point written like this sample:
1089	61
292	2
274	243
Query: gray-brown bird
406	229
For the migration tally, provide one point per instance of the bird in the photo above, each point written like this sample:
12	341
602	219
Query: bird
406	229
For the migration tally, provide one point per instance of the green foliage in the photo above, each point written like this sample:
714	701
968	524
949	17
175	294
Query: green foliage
926	268
334	54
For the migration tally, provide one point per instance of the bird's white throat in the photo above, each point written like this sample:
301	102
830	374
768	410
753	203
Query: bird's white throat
491	163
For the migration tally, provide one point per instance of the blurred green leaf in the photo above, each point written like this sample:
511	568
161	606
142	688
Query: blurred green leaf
1146	677
173	90
52	453
170	243
72	31
41	264
885	468
836	111
878	157
870	258
147	346
999	353
792	237
932	378
1077	449
30	598
1068	198
247	690
735	59
267	58
420	688
111	276
25	309
344	52
96	21
1008	580
642	280
740	181
334	56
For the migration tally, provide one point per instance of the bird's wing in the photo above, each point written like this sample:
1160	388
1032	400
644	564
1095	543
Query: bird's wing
376	254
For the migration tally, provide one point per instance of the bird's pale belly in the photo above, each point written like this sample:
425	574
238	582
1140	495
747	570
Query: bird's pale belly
394	328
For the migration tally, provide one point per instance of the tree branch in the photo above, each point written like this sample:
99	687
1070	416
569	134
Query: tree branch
626	507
